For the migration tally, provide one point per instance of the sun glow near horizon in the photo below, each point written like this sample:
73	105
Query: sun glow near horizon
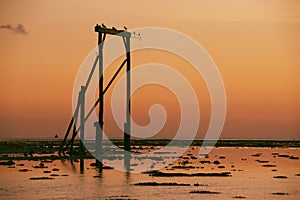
255	45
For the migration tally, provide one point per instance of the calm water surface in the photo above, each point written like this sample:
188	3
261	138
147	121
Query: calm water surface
249	179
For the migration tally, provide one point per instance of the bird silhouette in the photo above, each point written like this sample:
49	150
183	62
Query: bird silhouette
103	25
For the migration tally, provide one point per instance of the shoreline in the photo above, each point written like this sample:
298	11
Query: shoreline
52	145
48	149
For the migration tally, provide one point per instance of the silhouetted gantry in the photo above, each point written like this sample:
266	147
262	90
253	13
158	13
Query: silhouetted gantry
79	113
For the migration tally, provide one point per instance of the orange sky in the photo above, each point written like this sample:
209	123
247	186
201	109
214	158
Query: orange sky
254	43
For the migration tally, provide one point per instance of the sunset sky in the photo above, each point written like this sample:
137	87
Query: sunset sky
255	44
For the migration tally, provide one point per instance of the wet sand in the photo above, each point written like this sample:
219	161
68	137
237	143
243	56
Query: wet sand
22	149
251	173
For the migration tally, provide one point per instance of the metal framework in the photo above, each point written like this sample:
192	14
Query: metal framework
80	108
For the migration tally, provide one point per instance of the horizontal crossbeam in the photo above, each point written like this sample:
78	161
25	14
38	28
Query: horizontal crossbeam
112	31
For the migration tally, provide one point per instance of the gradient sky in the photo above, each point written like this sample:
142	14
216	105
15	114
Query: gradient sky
255	44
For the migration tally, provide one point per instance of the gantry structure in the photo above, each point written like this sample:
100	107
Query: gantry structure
80	113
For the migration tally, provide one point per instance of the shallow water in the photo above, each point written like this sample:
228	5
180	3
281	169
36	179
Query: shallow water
249	179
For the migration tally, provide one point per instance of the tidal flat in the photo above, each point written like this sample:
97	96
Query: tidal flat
248	171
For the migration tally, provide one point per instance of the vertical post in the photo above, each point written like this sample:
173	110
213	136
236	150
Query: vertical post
82	122
99	152
99	128
127	124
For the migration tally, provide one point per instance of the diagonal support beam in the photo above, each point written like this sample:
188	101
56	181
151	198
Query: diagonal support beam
94	106
106	88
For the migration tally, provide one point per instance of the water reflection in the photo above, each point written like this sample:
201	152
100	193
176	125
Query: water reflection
81	166
247	168
127	158
73	166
